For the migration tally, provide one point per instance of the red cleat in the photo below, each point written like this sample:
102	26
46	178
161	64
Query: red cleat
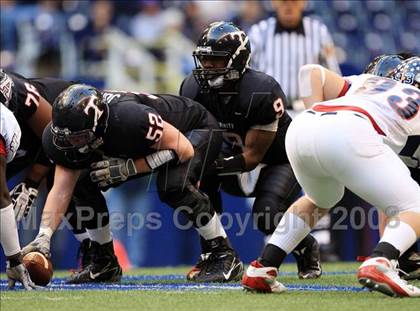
380	274
261	279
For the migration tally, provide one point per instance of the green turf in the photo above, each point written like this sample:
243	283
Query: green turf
212	300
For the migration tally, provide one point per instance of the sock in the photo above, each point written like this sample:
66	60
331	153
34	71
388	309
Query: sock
212	229
100	235
272	256
321	231
289	232
9	237
400	235
81	236
384	249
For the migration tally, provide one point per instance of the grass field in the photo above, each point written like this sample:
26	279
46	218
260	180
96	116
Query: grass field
166	289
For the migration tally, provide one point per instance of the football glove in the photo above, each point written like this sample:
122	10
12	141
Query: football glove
112	171
20	274
228	166
23	197
40	244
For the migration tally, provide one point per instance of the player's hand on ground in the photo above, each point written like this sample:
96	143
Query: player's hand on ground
23	197
40	244
111	171
18	274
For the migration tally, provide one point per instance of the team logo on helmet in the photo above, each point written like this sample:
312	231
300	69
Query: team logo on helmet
6	88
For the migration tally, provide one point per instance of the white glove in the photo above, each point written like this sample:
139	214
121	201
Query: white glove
20	274
40	244
23	198
112	170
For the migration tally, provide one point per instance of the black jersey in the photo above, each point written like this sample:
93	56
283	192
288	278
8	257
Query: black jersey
26	93
258	100
24	103
135	124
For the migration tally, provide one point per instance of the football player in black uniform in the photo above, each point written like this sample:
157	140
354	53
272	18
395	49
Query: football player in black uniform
249	106
383	66
30	101
121	135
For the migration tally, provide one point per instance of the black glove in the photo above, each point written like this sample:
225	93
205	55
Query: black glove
112	171
23	196
229	166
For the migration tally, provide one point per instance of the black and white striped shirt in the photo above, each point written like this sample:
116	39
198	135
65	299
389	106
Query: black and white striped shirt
281	52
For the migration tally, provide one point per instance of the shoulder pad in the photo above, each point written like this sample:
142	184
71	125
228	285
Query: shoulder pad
189	87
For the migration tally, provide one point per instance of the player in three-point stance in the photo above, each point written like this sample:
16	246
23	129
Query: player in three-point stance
352	142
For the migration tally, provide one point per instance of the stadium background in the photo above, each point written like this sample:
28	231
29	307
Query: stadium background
147	45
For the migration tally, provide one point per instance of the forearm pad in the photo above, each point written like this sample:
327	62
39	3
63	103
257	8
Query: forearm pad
159	158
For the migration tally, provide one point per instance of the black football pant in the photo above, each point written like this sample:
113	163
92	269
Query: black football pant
275	190
88	209
177	184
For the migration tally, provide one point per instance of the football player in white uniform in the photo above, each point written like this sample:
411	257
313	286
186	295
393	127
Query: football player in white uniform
9	142
352	142
383	65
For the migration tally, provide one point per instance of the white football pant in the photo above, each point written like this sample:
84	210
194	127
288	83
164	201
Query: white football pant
330	151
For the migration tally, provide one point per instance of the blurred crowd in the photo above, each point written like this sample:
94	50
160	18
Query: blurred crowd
124	44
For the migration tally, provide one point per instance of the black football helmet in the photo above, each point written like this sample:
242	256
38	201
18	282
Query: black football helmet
408	72
226	41
79	119
6	88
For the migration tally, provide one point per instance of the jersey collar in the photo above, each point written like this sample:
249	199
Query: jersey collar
299	29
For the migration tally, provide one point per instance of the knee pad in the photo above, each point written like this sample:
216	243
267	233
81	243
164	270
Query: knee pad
194	204
267	211
279	182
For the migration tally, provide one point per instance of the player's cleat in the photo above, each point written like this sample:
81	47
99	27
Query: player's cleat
104	267
85	254
258	278
221	266
410	265
308	261
200	265
380	274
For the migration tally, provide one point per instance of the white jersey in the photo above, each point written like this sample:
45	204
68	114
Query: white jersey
9	131
394	106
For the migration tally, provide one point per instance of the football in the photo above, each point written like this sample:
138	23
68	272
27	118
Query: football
39	267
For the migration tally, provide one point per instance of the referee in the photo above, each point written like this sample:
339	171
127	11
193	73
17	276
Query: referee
282	44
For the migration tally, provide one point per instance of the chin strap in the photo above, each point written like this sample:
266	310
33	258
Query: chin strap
216	82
